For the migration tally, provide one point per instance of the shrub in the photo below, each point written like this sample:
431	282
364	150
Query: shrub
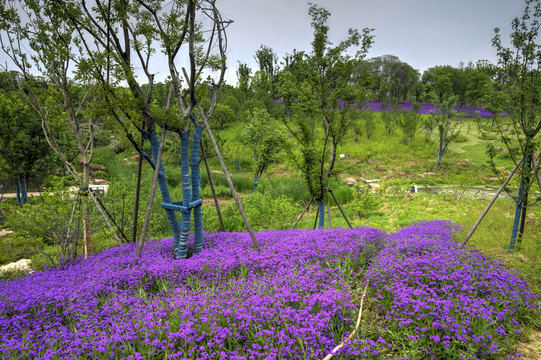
364	202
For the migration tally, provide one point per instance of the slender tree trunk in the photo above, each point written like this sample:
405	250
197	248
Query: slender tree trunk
186	194
158	168
197	216
155	145
528	167
321	211
18	192
87	236
329	210
518	212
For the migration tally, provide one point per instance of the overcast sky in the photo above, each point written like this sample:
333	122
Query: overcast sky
423	33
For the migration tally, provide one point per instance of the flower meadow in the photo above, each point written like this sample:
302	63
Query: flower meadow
298	298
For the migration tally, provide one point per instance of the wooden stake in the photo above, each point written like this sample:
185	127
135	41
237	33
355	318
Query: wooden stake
491	203
211	182
340	207
300	217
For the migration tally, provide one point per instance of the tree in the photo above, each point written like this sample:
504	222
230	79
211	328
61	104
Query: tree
446	124
244	73
22	144
323	101
392	79
39	26
124	36
268	62
265	141
519	94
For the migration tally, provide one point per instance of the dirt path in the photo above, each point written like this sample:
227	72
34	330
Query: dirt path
12	195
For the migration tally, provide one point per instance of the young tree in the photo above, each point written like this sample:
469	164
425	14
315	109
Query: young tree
264	139
268	62
324	102
38	26
519	87
123	37
447	125
22	144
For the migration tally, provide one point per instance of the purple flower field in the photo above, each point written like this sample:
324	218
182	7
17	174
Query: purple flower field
296	299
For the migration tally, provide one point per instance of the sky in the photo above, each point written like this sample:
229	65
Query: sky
422	33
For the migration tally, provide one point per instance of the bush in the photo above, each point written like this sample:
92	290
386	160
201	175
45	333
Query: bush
364	202
264	211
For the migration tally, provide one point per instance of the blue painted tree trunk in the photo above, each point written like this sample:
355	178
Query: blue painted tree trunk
257	177
18	192
25	191
196	181
516	222
321	207
440	156
186	194
164	189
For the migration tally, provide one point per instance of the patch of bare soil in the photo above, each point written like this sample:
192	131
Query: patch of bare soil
531	350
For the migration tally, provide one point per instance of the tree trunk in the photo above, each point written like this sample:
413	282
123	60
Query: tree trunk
197	216
156	145
159	176
518	211
321	211
87	236
186	195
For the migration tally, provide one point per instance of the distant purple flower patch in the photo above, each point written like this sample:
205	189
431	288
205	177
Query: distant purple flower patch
425	108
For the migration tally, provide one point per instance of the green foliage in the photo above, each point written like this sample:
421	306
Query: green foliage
364	201
264	139
409	121
49	221
22	142
369	123
264	211
223	114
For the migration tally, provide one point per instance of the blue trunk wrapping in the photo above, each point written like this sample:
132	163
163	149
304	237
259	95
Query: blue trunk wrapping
196	181
321	221
186	194
440	155
164	189
257	177
518	212
17	190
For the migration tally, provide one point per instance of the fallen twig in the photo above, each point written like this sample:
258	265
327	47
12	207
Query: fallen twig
328	357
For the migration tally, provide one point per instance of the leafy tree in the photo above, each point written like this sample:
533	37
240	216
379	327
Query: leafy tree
321	99
124	37
244	73
223	114
39	26
22	144
268	62
519	89
446	124
409	121
392	78
265	141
